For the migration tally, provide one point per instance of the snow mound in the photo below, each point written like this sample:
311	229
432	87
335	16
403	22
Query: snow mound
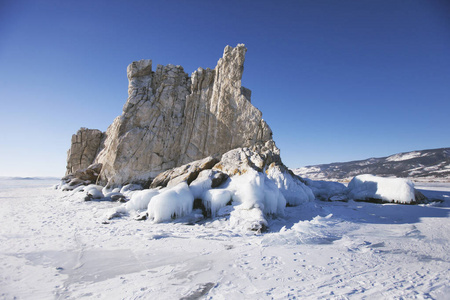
94	191
384	189
293	189
171	203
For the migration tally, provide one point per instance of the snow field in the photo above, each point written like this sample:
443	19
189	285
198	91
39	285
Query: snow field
53	245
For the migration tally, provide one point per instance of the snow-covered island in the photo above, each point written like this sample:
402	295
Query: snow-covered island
195	147
185	196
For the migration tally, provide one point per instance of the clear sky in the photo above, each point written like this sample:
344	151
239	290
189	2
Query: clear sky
335	80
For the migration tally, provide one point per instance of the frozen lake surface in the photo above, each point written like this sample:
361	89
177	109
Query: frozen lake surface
54	245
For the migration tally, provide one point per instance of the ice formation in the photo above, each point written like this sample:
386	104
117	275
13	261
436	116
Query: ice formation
171	203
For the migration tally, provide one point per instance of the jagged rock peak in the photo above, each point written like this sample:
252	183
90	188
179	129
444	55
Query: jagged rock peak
171	119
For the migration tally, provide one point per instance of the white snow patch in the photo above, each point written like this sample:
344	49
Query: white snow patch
405	156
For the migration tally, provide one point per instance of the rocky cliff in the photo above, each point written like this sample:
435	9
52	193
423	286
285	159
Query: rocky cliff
171	119
83	150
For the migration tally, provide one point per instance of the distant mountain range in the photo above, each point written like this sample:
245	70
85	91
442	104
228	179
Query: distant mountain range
433	164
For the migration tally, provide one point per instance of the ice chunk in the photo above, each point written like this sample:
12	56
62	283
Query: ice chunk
171	203
319	230
254	195
385	189
254	189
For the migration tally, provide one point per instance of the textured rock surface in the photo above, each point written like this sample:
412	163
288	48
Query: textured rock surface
85	176
84	148
222	117
170	119
259	157
188	173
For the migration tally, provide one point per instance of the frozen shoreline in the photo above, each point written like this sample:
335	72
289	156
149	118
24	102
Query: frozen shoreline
53	245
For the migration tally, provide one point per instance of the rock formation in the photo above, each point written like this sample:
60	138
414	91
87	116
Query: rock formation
84	149
246	186
171	119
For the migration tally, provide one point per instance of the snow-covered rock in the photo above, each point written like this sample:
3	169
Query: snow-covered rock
206	180
171	203
247	185
80	177
254	196
294	190
382	189
187	172
94	191
139	200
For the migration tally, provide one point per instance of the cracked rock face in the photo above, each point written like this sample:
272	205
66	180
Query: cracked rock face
84	148
171	119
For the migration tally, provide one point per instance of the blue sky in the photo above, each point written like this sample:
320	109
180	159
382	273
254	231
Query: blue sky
335	80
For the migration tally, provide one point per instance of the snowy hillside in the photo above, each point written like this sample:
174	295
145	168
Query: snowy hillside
419	165
55	245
